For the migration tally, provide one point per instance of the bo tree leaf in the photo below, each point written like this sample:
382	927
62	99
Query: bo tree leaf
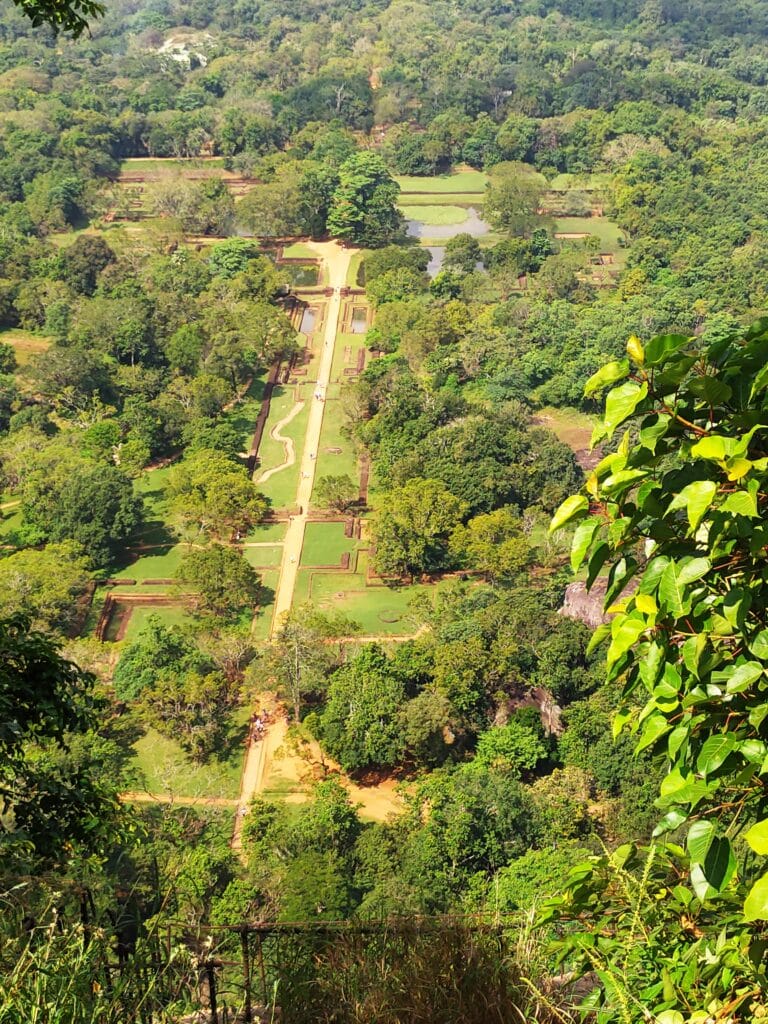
573	506
756	903
757	837
663	345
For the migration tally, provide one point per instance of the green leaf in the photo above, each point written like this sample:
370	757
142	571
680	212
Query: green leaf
691	571
671	820
663	345
573	506
756	903
598	636
654	428
757	837
620	481
655	727
582	538
607	374
713	447
670	591
621	402
625	632
759	645
700	837
742	677
740	503
696	498
713	753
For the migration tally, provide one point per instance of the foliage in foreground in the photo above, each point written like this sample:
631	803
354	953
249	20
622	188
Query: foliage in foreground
676	516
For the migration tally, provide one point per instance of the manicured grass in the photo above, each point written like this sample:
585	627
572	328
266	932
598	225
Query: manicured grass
262	622
262	558
281	488
459	181
345	355
264	533
152	165
435	214
325	543
160	564
332	436
299	251
380	610
25	344
354	267
608	232
169	615
10	523
162	766
438	199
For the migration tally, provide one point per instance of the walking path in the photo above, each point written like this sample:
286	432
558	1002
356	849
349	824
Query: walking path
287	443
259	751
337	262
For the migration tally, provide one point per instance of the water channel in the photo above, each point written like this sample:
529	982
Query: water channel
473	225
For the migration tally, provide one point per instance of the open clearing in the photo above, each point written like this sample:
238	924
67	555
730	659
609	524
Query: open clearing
25	344
459	181
435	214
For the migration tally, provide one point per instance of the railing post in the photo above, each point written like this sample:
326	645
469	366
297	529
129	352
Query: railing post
247	1011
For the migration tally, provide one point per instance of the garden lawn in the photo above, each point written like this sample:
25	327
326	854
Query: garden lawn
604	229
445	199
152	565
441	215
325	543
459	181
282	486
380	610
153	165
299	251
25	344
169	615
264	558
262	622
164	768
272	533
331	463
10	523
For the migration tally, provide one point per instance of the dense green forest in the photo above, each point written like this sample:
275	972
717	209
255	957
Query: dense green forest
307	312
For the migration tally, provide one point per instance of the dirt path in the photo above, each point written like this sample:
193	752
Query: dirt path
260	752
336	261
287	443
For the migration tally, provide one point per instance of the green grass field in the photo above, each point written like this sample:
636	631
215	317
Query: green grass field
169	615
299	251
435	215
154	165
268	533
160	564
264	558
335	463
162	767
459	181
380	610
281	487
604	229
262	622
443	199
325	543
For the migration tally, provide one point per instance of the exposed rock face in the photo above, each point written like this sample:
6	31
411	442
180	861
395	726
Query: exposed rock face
585	606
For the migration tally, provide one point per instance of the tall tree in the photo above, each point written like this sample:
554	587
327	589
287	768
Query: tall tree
363	210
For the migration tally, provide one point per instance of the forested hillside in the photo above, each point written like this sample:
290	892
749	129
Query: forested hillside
307	315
